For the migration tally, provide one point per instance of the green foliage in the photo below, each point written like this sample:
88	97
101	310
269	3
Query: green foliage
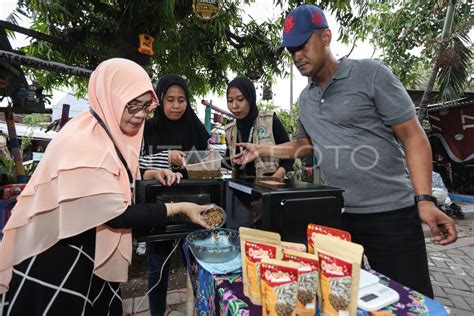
288	121
267	106
405	33
31	120
9	165
30	169
203	51
455	67
299	172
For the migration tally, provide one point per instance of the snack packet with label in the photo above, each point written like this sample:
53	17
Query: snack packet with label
314	229
308	280
279	287
256	245
293	246
339	263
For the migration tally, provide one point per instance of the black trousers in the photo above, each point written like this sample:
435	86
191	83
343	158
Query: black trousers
394	244
157	254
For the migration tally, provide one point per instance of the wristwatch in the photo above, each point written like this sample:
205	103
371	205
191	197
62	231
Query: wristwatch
425	197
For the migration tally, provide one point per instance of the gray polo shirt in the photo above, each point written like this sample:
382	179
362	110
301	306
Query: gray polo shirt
349	126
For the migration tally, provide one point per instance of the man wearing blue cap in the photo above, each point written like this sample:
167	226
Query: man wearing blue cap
359	121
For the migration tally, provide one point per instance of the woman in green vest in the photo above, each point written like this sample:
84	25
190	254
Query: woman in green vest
253	126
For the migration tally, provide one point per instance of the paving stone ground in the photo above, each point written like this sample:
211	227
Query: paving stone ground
451	270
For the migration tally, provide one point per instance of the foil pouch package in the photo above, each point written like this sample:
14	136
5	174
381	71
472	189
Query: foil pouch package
308	280
256	245
279	286
314	229
339	266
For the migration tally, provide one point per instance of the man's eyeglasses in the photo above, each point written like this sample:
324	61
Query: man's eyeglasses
134	108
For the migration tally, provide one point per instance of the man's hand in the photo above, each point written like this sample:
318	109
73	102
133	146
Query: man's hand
442	226
248	154
176	157
164	176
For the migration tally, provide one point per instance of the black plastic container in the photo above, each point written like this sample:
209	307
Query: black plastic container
178	226
286	207
263	203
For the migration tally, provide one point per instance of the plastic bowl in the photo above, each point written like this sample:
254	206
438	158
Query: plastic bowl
203	160
211	220
214	245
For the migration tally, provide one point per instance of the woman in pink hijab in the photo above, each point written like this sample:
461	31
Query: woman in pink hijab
68	242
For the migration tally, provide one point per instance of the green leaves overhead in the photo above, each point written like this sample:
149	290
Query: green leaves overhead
203	51
454	62
403	32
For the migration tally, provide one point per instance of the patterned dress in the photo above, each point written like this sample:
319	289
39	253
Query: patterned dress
59	281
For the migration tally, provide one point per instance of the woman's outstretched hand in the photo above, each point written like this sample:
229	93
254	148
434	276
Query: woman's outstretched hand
192	210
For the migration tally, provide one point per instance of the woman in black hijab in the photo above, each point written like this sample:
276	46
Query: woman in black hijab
252	126
175	128
171	128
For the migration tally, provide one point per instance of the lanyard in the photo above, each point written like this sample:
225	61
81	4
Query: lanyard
239	140
239	136
119	154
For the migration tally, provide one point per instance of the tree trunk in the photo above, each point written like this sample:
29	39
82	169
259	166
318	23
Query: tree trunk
427	95
15	147
129	44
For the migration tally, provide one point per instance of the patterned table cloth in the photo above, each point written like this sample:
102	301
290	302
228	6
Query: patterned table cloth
223	295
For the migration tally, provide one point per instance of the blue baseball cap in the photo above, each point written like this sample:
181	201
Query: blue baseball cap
300	25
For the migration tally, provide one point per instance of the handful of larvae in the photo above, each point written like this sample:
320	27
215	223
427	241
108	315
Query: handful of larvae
214	216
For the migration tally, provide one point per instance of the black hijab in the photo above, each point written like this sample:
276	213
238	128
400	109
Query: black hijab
184	134
248	91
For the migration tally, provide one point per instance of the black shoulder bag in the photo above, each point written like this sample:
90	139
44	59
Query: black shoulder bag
119	154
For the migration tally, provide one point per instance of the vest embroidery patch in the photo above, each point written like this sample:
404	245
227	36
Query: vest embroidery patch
261	131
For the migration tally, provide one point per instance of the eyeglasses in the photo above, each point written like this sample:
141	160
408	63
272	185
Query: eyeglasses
134	108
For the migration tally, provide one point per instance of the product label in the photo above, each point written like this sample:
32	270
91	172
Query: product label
254	253
314	229
308	283
279	290
336	284
306	264
277	275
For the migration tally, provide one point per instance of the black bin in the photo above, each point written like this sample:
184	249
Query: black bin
284	207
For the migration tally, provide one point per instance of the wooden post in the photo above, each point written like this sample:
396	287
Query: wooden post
15	147
207	117
64	115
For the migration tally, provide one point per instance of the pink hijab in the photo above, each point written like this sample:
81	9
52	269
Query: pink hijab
81	183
